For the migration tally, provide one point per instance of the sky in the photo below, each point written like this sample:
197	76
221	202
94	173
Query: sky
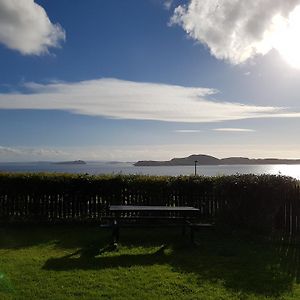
154	79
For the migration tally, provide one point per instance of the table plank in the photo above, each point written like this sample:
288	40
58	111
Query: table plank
151	208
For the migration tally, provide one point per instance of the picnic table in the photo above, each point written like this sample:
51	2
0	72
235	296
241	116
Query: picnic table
171	215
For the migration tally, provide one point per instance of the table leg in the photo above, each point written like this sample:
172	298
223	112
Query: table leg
192	235
183	231
115	231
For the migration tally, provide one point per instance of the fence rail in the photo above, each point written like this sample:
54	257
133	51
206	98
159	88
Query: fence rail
84	207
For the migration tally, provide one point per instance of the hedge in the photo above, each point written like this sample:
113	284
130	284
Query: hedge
254	202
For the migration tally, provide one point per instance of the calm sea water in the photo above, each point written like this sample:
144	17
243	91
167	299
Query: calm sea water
129	168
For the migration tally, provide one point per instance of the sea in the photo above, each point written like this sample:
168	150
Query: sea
96	167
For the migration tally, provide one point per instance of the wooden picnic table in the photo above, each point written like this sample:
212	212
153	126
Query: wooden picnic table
139	213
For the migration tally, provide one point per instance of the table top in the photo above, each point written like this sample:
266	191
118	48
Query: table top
151	208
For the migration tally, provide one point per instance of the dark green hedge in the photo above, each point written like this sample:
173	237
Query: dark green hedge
256	202
240	201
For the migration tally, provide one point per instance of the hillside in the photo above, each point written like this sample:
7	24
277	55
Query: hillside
211	160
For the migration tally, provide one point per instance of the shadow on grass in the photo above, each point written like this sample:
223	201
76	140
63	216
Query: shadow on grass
242	266
88	259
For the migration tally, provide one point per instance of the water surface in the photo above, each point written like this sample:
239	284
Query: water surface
129	168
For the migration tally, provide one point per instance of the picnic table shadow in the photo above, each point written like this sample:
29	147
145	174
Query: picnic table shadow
240	270
88	259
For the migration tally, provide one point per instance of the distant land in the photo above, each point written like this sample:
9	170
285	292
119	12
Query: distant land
73	162
203	159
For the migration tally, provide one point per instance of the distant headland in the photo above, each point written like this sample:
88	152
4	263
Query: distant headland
203	159
74	162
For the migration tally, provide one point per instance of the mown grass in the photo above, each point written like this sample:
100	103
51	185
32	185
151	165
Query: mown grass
74	262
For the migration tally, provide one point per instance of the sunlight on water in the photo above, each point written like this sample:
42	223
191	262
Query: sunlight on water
287	170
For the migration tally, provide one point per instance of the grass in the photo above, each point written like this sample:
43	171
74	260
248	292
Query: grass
74	262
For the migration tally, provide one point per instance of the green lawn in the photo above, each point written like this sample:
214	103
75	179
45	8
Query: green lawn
63	262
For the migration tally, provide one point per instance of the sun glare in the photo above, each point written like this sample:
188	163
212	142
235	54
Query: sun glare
286	37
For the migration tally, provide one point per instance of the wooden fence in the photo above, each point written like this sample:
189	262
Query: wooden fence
93	207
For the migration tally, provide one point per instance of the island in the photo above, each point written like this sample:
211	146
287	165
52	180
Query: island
203	159
74	162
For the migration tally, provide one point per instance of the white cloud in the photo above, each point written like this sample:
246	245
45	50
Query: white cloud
234	129
120	99
236	30
25	27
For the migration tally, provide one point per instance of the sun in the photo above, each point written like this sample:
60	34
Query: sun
286	37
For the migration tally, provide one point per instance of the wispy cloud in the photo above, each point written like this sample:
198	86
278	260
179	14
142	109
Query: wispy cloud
27	153
25	27
120	99
234	129
168	4
9	150
237	30
187	130
142	152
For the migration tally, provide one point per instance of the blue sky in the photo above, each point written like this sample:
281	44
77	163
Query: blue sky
152	79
